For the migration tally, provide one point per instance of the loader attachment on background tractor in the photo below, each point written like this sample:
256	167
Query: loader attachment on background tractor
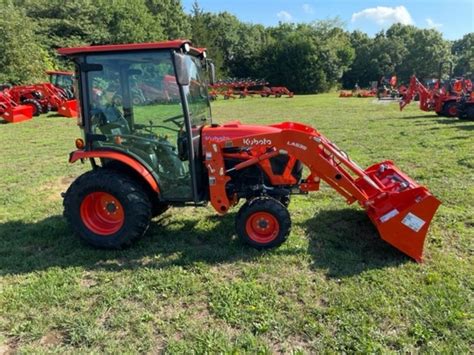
400	208
68	108
13	113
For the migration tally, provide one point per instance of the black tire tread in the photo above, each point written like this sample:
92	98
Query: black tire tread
445	109
37	109
131	193
268	204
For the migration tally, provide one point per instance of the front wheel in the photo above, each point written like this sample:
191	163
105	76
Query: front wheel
107	209
37	109
263	223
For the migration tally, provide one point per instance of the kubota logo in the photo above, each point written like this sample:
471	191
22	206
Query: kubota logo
297	145
255	141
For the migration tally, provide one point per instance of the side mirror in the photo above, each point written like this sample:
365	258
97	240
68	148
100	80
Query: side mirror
182	73
212	73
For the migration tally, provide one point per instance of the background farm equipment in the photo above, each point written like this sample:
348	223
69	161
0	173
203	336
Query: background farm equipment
43	98
357	93
466	102
447	98
62	80
387	88
12	112
241	88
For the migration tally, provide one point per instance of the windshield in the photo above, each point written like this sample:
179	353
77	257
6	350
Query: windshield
135	106
196	92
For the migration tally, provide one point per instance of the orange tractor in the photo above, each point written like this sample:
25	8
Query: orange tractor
43	98
443	97
148	156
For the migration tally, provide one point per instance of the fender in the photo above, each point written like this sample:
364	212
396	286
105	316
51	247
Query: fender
135	165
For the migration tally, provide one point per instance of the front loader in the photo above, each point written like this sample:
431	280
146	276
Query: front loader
11	112
148	156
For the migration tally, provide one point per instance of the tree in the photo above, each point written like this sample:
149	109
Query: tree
23	59
171	17
463	50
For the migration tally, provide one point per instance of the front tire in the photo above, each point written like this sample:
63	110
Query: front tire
263	223
37	109
107	209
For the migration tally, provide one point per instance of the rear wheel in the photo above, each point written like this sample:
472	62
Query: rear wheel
37	109
468	113
107	209
263	223
450	109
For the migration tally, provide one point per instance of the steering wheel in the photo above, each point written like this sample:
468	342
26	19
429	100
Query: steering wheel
173	119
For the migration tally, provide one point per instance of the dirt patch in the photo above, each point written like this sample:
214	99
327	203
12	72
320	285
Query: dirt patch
6	350
10	347
54	188
51	338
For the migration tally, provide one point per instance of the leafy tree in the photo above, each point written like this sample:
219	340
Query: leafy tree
23	60
463	50
171	17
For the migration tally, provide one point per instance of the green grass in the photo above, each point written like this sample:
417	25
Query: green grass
190	285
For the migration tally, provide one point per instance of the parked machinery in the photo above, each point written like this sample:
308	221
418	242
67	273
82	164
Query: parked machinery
43	98
233	88
146	157
442	97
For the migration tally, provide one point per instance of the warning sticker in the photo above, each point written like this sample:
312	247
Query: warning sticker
413	222
388	215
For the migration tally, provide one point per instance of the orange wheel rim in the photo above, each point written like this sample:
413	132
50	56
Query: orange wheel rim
262	227
102	213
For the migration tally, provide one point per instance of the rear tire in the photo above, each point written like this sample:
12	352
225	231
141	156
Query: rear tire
37	109
107	209
158	209
263	223
468	113
450	109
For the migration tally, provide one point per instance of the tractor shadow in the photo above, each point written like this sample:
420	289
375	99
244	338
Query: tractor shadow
345	243
28	247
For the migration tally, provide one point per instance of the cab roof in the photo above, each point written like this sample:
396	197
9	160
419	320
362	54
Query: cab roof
175	44
59	72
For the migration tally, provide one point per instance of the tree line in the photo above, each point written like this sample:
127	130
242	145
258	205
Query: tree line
307	57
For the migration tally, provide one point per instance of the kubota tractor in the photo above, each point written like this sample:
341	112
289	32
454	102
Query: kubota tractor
442	97
148	156
43	98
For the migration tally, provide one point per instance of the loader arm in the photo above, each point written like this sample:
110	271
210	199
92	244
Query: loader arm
399	207
416	87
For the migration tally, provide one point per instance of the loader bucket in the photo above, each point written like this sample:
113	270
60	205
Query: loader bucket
18	113
403	212
68	108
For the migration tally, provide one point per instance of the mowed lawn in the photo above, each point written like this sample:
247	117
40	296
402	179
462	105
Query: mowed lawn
190	285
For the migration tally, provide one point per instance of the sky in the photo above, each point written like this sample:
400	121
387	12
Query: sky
453	18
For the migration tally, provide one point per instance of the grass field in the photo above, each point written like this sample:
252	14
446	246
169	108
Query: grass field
190	285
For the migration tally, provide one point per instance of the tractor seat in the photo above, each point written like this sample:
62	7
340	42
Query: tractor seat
110	121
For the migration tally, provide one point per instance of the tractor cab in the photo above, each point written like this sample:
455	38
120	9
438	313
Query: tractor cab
148	102
62	79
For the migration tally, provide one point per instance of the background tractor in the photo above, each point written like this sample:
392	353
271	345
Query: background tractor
149	155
